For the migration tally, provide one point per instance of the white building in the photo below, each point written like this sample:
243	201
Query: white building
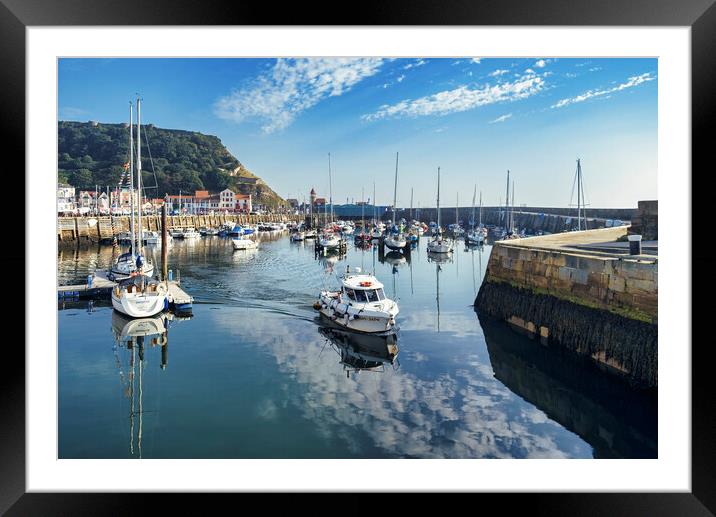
65	199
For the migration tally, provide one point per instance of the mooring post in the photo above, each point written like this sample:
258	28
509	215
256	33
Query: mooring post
634	244
165	246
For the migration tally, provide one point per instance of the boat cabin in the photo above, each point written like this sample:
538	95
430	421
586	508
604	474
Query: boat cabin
363	289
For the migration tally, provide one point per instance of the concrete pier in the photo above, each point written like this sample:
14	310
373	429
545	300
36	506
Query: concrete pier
102	287
582	291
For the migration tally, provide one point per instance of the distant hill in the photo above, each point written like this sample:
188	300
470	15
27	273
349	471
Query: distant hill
91	153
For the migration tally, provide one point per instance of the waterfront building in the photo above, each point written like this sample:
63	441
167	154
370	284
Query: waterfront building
65	198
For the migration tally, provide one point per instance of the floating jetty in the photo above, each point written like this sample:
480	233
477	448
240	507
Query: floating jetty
582	291
101	287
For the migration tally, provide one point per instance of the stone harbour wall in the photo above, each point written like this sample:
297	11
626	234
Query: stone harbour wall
600	306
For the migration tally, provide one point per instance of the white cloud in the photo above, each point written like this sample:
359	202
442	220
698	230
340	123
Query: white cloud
475	60
631	82
501	118
461	99
400	79
541	63
498	73
419	62
292	86
529	71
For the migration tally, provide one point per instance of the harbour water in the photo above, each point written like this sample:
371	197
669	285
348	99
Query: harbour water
255	374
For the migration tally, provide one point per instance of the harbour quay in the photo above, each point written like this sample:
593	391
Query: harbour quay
582	291
104	228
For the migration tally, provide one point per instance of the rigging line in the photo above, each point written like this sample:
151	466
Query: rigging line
151	161
574	182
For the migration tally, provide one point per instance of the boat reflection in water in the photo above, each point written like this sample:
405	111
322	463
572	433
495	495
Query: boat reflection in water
362	352
134	335
394	258
617	420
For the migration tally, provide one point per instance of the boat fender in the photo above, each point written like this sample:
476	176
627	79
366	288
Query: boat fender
317	306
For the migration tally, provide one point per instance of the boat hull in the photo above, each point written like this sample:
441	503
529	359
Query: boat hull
395	244
139	306
357	320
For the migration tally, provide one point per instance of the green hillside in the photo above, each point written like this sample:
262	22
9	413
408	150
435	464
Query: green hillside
92	154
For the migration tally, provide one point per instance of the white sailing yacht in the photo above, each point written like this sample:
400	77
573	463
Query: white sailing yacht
395	239
476	235
329	240
137	295
126	264
439	244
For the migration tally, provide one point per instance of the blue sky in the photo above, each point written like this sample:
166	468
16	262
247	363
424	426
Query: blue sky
475	118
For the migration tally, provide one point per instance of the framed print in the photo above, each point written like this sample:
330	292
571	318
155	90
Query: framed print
418	252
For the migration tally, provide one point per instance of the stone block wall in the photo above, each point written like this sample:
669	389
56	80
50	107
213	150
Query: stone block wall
618	285
646	221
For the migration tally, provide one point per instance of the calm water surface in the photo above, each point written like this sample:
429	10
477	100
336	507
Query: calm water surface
255	374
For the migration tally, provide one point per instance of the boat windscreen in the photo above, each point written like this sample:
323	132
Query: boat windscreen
372	295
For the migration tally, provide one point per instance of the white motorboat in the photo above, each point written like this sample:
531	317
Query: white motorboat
244	244
189	233
377	233
298	236
439	244
360	305
329	241
139	296
310	234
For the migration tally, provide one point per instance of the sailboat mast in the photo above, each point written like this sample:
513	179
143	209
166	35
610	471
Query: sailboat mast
472	218
457	203
131	179
330	186
579	198
512	207
438	200
139	176
507	198
362	210
374	203
411	203
395	189
480	223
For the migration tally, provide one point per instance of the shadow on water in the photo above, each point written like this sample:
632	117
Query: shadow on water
618	421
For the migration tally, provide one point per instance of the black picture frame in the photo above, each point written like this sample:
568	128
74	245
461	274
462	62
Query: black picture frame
699	15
